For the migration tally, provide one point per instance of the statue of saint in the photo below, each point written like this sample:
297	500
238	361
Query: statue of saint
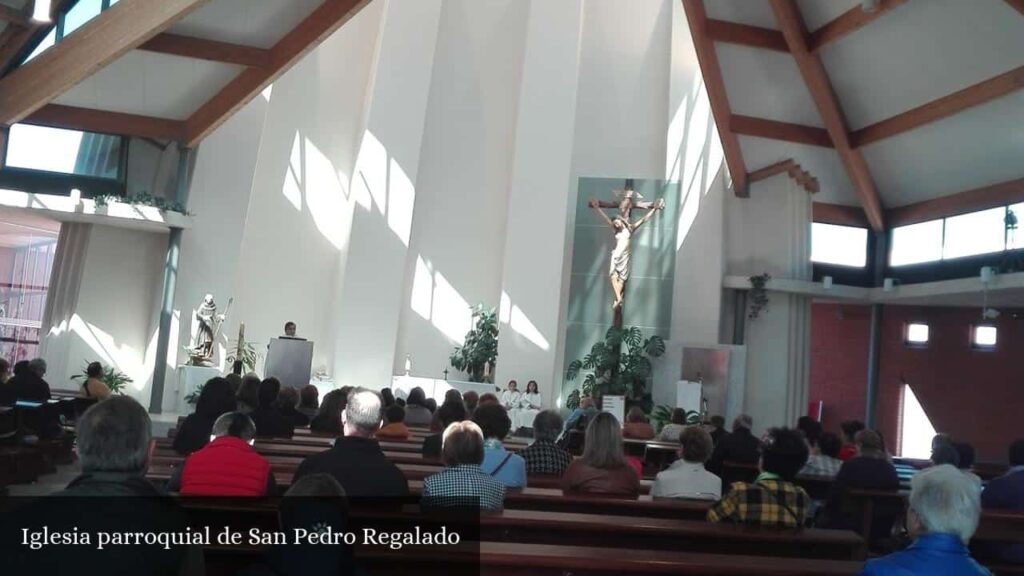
623	228
204	332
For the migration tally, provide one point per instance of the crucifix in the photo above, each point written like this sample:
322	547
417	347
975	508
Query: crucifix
623	229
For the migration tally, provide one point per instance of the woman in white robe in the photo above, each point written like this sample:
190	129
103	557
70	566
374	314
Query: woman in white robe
530	405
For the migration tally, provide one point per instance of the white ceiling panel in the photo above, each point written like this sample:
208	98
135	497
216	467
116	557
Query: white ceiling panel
978	147
152	84
766	84
752	12
822	163
817	13
921	51
259	23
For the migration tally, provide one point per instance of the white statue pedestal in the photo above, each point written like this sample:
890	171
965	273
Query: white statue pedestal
190	378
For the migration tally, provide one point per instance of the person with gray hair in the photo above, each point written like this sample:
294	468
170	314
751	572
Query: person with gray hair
740	447
356	460
686	477
543	456
945	505
228	465
29	383
110	496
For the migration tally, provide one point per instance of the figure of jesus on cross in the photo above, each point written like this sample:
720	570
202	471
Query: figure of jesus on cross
623	228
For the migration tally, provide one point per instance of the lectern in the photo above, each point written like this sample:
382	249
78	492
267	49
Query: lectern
290	360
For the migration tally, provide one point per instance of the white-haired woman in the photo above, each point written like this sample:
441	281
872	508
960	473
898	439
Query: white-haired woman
945	504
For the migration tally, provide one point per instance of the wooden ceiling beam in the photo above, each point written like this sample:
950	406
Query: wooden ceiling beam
975	95
746	35
712	74
775	130
849	22
203	49
106	122
839	215
813	72
994	196
1017	5
326	19
14	16
122	27
771	170
789	167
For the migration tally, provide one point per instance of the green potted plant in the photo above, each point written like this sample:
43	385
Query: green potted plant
249	356
479	352
112	377
619	364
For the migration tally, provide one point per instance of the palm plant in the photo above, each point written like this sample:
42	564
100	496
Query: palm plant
112	377
249	356
479	353
662	415
620	364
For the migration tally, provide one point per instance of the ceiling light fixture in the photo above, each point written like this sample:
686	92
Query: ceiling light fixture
41	11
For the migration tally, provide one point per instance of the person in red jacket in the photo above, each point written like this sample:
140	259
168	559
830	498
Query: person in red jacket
228	465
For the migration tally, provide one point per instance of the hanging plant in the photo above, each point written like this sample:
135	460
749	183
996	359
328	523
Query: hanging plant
758	295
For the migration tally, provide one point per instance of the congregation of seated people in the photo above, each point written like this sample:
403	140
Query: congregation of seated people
468	437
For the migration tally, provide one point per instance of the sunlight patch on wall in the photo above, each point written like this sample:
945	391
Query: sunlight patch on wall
124	358
436	300
267	92
450	312
422	289
370	184
325	196
293	181
172	355
519	322
401	202
916	429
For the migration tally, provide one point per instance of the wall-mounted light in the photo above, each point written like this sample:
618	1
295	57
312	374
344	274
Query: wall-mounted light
41	11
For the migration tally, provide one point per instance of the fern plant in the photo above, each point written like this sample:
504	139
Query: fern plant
620	364
112	377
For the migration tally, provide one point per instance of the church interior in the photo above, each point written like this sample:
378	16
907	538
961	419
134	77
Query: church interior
756	216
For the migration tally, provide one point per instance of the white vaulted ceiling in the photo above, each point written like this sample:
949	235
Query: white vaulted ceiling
912	54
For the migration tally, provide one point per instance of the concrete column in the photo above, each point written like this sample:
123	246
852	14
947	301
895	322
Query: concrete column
163	338
541	177
369	298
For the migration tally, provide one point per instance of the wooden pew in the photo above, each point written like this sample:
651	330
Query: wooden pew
513	559
161	468
573	529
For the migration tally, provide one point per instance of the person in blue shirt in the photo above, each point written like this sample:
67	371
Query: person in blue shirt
1007	493
945	505
580	417
506	467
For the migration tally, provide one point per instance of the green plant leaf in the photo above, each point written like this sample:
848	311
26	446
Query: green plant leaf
573	370
654	346
633	337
